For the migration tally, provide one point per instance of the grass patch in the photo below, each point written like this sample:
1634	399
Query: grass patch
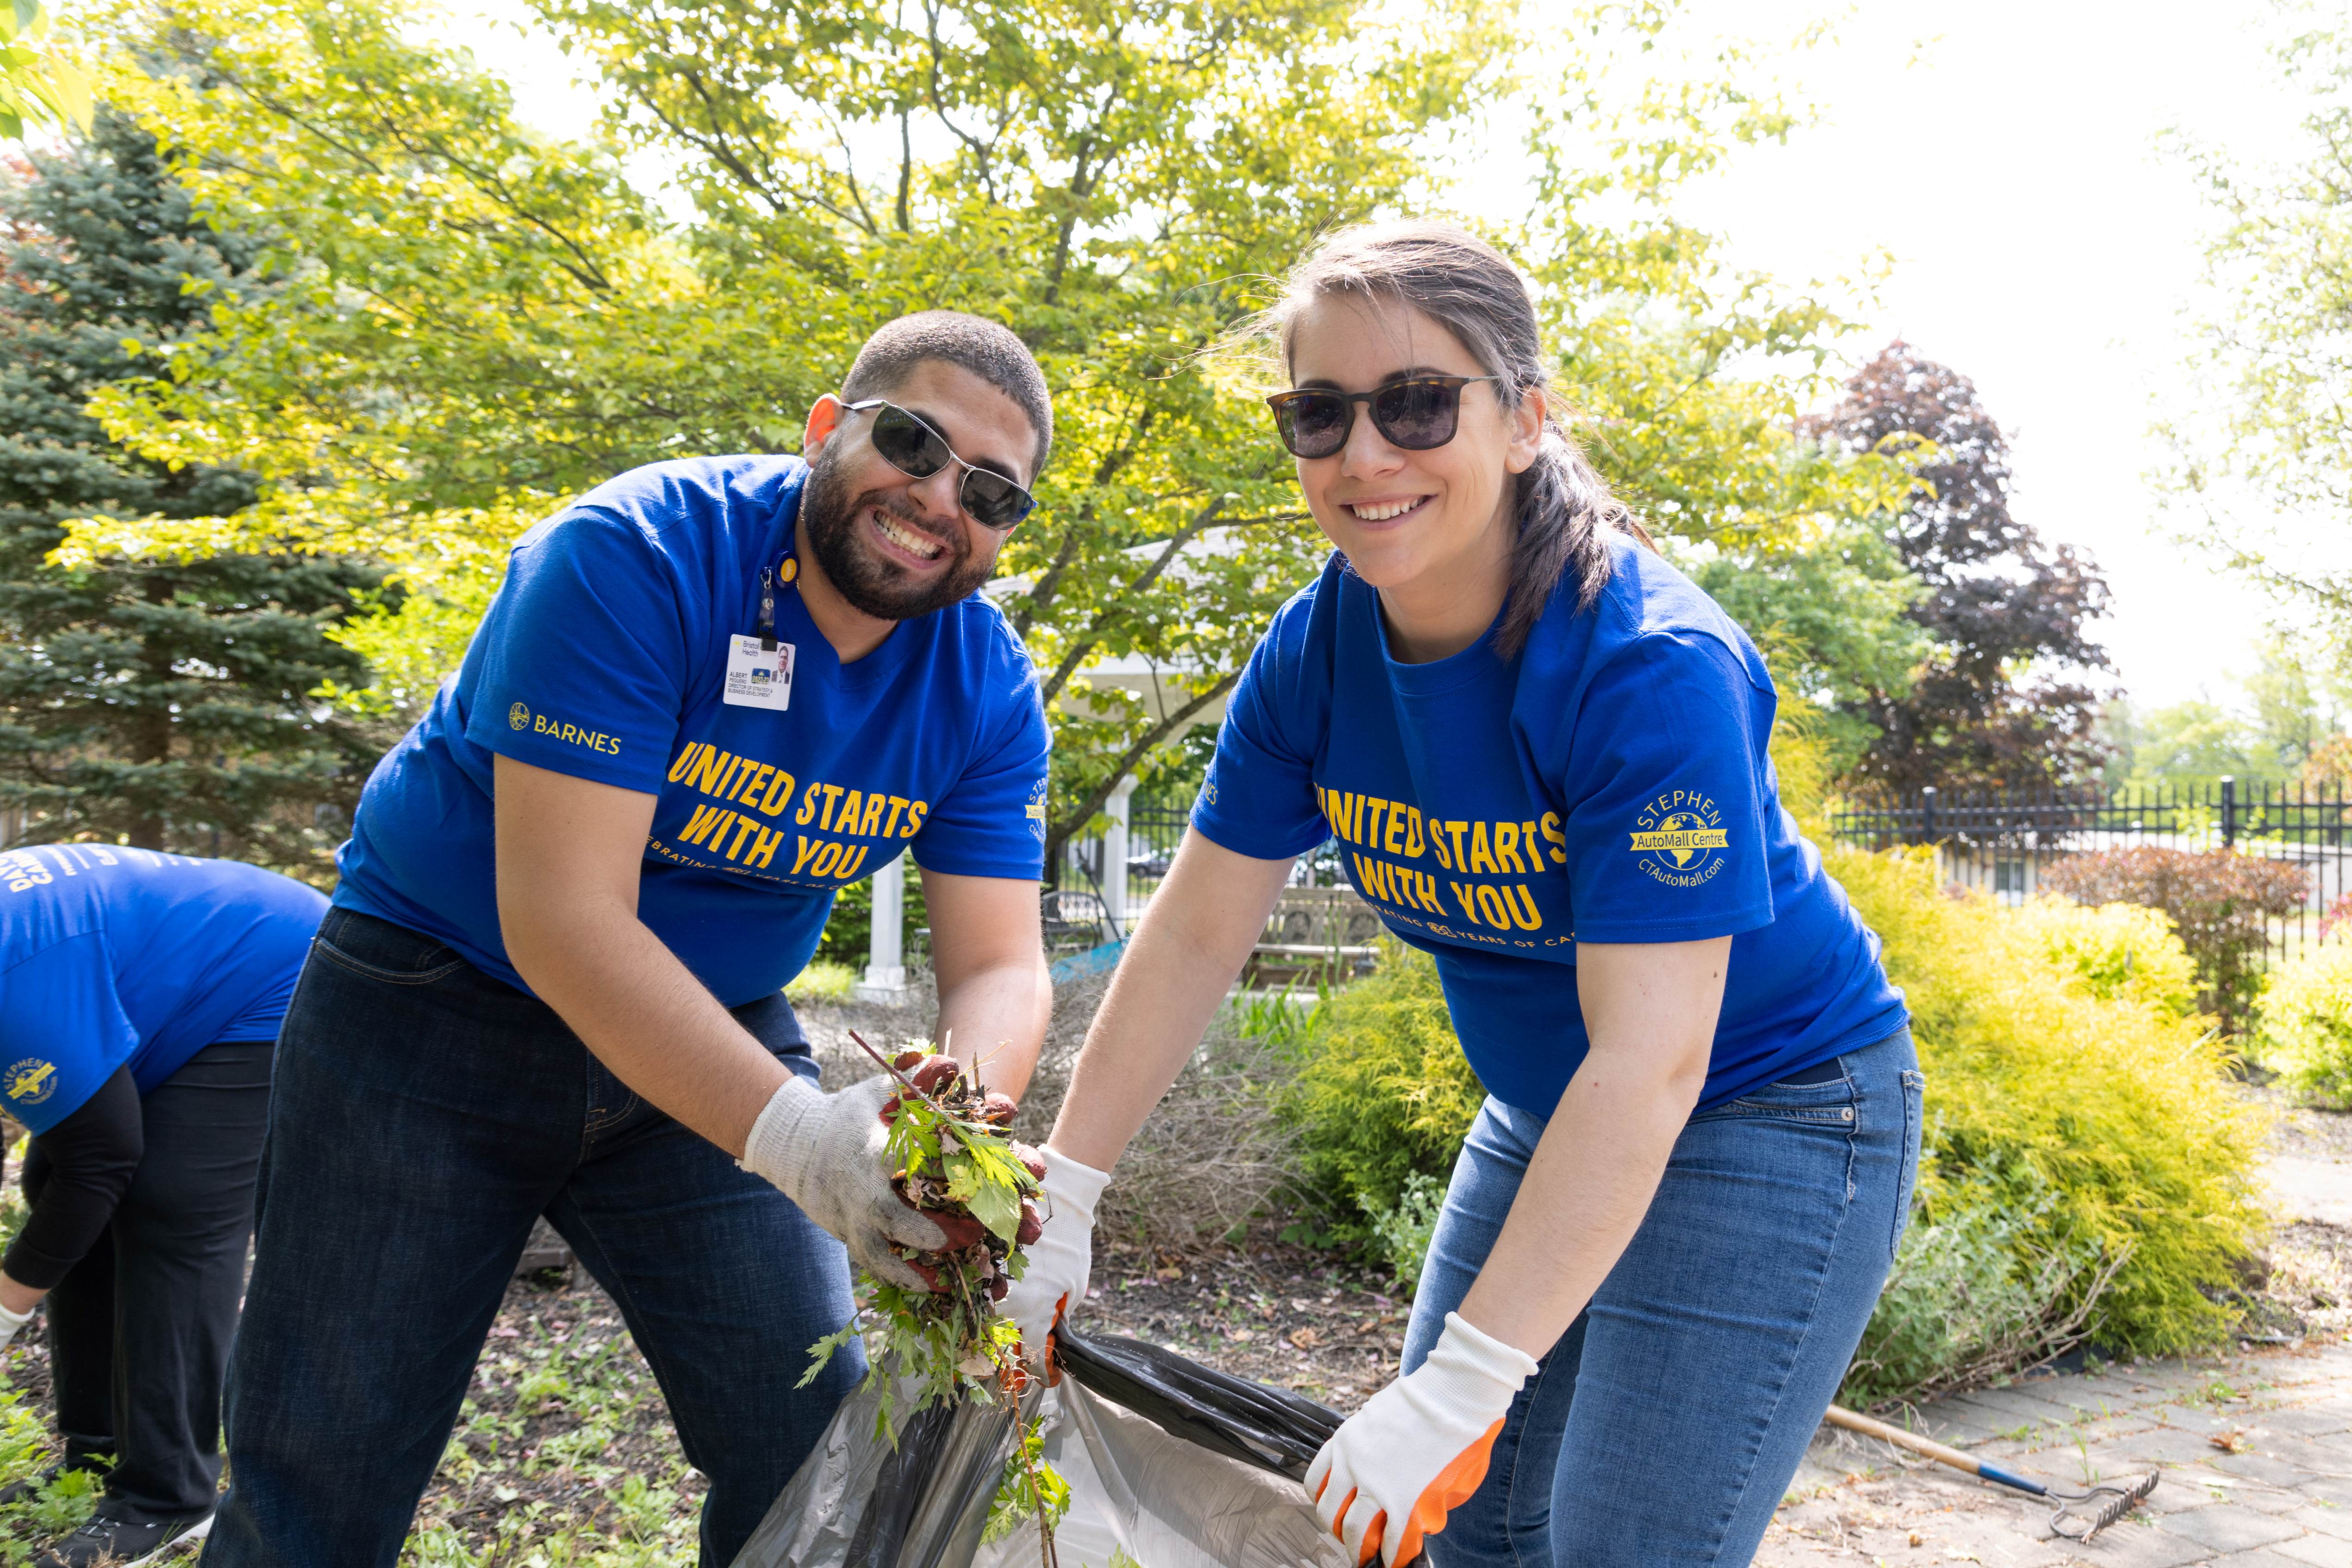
822	980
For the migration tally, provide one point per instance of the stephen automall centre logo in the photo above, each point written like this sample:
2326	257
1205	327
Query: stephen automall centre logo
1677	834
32	1081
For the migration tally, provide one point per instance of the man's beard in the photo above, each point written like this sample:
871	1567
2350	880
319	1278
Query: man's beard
873	583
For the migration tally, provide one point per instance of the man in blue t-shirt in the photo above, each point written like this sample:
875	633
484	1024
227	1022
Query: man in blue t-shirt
140	1000
710	695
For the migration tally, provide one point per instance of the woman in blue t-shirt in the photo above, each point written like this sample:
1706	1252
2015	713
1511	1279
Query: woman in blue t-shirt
1544	753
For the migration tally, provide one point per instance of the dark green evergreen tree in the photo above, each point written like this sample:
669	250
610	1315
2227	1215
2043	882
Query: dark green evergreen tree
161	704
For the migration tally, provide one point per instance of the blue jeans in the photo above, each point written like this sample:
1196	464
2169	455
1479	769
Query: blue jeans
423	1115
1666	1423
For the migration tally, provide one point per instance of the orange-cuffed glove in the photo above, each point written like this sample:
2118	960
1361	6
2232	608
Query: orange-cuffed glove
1419	1447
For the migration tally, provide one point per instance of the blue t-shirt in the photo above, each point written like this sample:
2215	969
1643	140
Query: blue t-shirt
111	956
1608	785
605	656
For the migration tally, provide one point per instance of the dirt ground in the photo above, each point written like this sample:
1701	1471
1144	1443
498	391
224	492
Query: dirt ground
564	1455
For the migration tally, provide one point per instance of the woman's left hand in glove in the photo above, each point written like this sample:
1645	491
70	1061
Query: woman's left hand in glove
1060	1259
1419	1447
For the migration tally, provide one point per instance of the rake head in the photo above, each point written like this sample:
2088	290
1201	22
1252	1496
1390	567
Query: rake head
2082	1515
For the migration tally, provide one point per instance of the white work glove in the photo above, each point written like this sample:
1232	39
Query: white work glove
1062	1256
1419	1447
827	1152
11	1322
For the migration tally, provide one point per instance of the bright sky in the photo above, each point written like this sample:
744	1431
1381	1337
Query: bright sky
2006	162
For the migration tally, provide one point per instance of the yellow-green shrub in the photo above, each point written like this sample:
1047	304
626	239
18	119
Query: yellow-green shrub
1383	1094
2087	1167
2305	1033
2068	1089
2117	950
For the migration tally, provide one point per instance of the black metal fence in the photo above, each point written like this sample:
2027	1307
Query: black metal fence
2000	843
1156	825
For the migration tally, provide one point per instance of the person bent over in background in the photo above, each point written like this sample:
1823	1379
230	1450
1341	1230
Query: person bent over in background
140	1000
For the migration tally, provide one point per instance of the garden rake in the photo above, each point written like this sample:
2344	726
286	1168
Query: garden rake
2078	1516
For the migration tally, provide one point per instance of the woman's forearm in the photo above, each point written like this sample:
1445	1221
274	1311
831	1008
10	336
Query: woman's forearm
1650	1012
1595	1171
1196	933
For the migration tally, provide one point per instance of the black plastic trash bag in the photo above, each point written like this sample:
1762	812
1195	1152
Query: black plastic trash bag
1170	1465
857	1503
1270	1427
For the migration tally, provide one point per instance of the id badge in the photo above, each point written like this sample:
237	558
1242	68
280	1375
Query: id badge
758	677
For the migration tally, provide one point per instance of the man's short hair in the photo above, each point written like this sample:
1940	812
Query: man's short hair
982	347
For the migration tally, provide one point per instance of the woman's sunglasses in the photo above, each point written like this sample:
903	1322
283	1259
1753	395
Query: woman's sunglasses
1417	413
918	451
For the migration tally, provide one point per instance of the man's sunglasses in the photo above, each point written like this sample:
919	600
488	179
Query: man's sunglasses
1417	413
918	451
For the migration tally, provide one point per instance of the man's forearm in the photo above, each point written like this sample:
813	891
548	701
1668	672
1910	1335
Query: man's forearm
647	1018
995	1019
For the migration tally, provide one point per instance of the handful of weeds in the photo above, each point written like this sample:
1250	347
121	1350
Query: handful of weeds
950	1146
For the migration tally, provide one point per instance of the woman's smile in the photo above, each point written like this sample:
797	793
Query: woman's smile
1384	510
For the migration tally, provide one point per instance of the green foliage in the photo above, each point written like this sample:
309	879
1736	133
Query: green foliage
550	1459
1980	1290
468	321
1402	1233
2219	902
1830	610
38	81
164	702
56	1508
2276	727
1031	1490
946	1344
2304	1034
1385	1094
2088	1168
822	981
2195	743
2116	952
2259	446
849	930
2077	1101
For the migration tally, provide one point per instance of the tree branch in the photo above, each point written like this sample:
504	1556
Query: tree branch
1058	835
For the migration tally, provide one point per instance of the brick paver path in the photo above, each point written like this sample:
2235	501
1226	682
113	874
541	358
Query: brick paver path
2256	1451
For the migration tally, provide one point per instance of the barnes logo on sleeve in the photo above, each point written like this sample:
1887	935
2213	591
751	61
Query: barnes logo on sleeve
32	1081
557	729
1678	833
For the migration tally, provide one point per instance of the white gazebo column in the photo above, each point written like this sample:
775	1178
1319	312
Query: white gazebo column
1114	842
885	967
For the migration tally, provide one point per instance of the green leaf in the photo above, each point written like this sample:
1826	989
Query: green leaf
998	1207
